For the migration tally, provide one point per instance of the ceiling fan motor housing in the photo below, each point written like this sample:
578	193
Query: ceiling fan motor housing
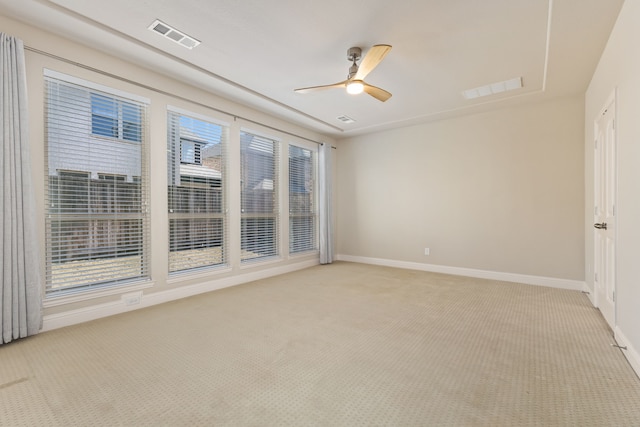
354	54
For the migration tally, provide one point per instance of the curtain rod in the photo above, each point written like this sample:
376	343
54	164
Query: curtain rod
162	92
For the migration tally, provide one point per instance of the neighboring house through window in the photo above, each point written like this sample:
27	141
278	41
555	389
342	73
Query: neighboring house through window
115	118
190	151
197	213
259	171
96	217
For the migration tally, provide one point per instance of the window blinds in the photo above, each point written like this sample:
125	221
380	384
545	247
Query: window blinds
302	206
259	171
197	211
96	187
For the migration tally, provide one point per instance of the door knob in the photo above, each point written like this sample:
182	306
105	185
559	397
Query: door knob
600	225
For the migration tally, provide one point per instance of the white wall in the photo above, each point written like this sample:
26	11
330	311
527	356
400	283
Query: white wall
496	192
619	71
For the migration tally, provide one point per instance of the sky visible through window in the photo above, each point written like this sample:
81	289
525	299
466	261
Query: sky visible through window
209	132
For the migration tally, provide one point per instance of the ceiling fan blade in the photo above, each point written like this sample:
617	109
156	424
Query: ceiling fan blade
371	60
376	92
315	88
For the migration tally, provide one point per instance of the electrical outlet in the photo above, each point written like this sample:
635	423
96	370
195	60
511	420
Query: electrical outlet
427	251
133	298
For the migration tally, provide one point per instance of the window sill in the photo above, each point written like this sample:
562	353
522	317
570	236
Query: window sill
257	262
205	273
310	253
70	298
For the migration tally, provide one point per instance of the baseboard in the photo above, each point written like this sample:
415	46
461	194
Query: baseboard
137	300
575	285
590	294
629	352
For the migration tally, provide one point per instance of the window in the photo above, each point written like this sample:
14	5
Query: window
96	219
115	118
302	206
197	212
113	178
190	152
259	169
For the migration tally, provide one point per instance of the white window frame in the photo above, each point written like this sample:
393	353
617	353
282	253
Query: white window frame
312	213
252	250
99	268
174	160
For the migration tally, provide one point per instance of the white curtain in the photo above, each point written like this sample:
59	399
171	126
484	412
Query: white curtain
20	283
325	204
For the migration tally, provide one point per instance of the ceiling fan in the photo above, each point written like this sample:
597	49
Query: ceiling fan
355	80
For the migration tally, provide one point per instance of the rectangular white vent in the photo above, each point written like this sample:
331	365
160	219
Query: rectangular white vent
173	34
493	88
345	119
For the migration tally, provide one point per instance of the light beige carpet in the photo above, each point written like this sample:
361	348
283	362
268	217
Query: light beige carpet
338	345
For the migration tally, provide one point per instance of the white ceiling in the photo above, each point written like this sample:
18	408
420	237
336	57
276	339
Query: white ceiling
257	51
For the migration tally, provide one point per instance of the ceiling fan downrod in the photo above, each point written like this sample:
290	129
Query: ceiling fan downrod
353	54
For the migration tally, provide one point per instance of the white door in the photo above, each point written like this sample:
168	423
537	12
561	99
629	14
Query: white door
604	221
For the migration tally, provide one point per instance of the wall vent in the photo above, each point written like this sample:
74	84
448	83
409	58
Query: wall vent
345	119
173	34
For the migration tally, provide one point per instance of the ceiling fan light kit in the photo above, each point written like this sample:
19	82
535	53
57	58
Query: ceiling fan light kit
355	87
355	83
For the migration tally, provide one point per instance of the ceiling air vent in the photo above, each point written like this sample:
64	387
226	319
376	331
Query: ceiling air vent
345	119
493	88
173	34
